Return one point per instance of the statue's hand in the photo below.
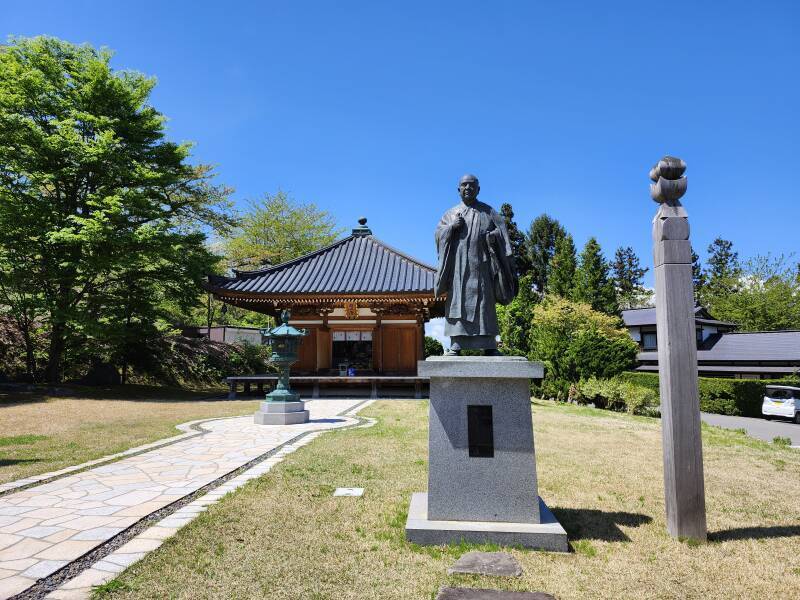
(458, 223)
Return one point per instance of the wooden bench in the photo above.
(315, 380)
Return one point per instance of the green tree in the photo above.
(433, 347)
(514, 319)
(86, 179)
(276, 229)
(158, 272)
(593, 285)
(21, 299)
(766, 296)
(562, 268)
(574, 342)
(698, 277)
(629, 279)
(722, 277)
(723, 261)
(541, 240)
(517, 238)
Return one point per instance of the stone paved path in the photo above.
(46, 527)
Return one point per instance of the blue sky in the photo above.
(377, 108)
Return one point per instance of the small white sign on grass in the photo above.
(349, 492)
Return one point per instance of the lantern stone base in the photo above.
(281, 413)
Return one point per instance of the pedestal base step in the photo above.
(547, 535)
(290, 418)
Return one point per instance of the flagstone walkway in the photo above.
(46, 527)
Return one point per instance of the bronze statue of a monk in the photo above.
(475, 270)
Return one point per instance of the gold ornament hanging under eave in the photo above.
(351, 310)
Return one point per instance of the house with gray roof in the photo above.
(721, 350)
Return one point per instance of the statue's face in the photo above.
(468, 190)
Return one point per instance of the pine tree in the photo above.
(593, 285)
(723, 262)
(541, 240)
(722, 274)
(562, 268)
(628, 279)
(518, 247)
(698, 277)
(514, 319)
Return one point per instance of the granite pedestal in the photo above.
(281, 413)
(482, 483)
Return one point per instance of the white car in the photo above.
(782, 401)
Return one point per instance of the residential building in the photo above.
(721, 351)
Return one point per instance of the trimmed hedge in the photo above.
(737, 397)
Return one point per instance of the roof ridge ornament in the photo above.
(362, 228)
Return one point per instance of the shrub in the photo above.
(620, 395)
(595, 354)
(648, 380)
(556, 389)
(574, 341)
(180, 360)
(737, 397)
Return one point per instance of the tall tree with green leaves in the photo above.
(518, 247)
(593, 284)
(562, 268)
(698, 277)
(766, 296)
(723, 261)
(541, 240)
(628, 277)
(514, 319)
(276, 229)
(86, 178)
(722, 275)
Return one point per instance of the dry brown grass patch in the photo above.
(41, 433)
(285, 536)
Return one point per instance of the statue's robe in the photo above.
(475, 270)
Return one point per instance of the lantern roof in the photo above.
(284, 329)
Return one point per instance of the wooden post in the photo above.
(684, 489)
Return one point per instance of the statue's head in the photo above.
(468, 188)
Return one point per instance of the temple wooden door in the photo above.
(307, 354)
(399, 352)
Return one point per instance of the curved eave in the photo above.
(257, 297)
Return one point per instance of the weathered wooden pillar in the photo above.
(684, 489)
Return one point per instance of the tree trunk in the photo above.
(55, 353)
(30, 357)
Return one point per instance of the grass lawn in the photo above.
(40, 433)
(284, 536)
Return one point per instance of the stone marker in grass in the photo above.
(497, 564)
(684, 490)
(451, 593)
